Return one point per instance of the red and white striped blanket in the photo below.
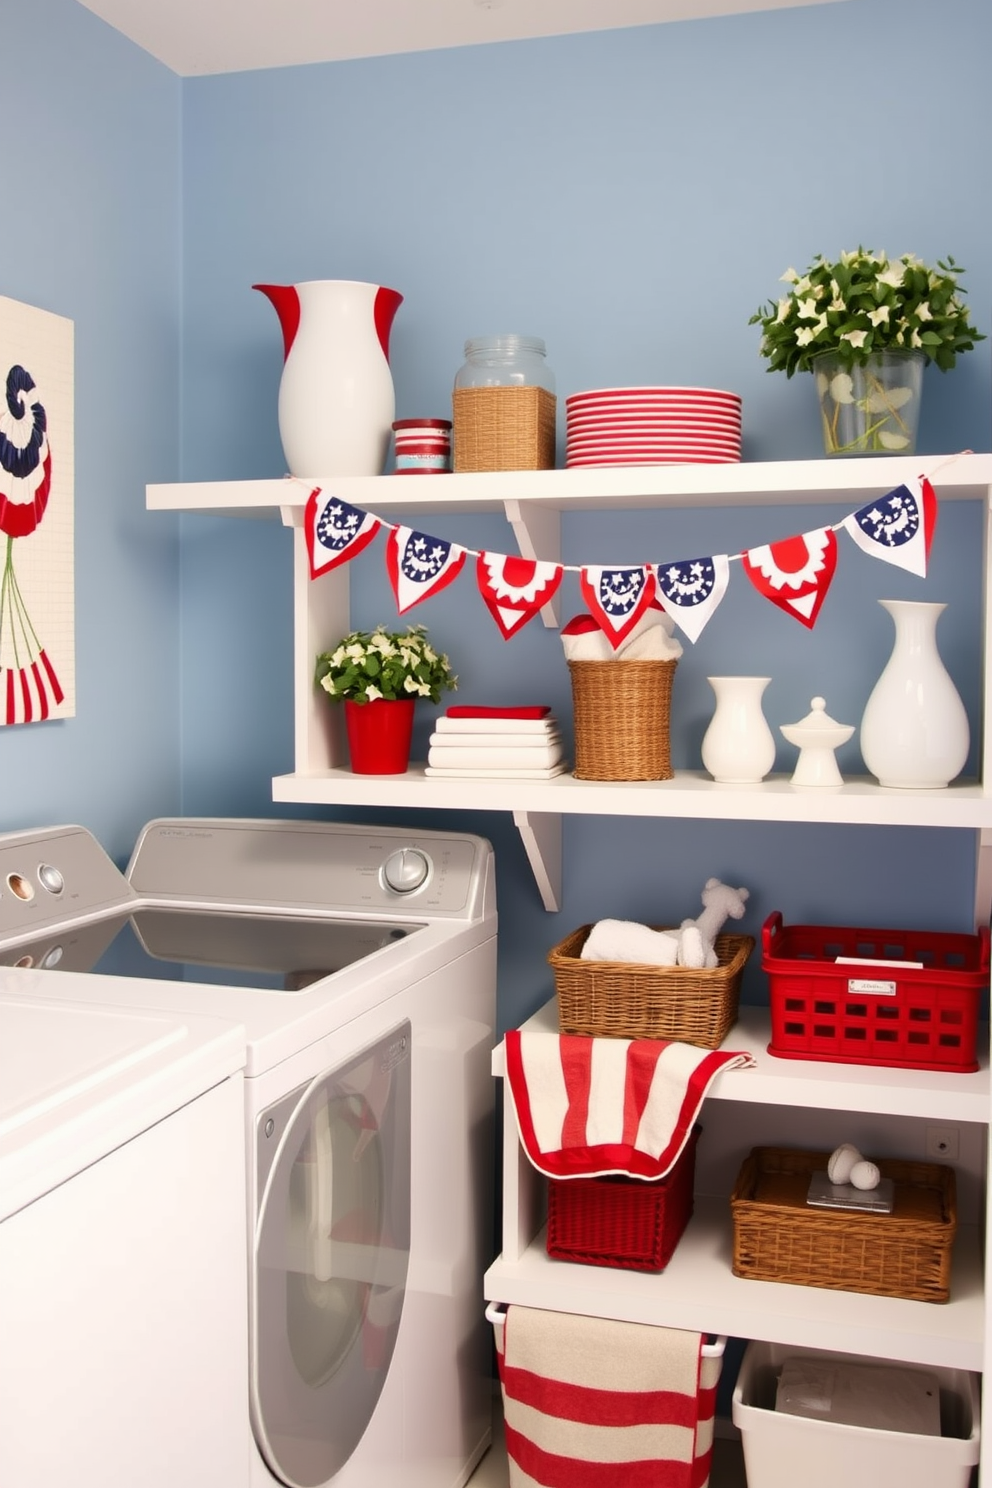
(596, 1403)
(588, 1106)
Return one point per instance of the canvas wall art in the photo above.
(37, 619)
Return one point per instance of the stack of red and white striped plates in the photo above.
(652, 426)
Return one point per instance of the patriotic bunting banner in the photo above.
(898, 529)
(691, 589)
(514, 589)
(419, 565)
(795, 574)
(335, 531)
(617, 597)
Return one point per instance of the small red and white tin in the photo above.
(422, 446)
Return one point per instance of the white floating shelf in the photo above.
(828, 1086)
(698, 1291)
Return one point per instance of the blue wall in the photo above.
(631, 196)
(91, 215)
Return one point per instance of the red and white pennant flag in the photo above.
(335, 531)
(691, 589)
(795, 574)
(514, 589)
(420, 565)
(617, 597)
(899, 527)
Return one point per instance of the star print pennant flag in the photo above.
(617, 597)
(795, 574)
(419, 565)
(335, 531)
(691, 589)
(514, 589)
(899, 527)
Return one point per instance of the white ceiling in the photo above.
(196, 37)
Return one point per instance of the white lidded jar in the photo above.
(914, 733)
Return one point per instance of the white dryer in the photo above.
(122, 1270)
(362, 965)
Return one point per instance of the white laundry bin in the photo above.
(782, 1449)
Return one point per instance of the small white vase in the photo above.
(914, 733)
(738, 747)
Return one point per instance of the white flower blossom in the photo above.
(923, 311)
(803, 286)
(856, 338)
(805, 335)
(356, 651)
(372, 692)
(879, 315)
(893, 277)
(806, 309)
(789, 277)
(784, 306)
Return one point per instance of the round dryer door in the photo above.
(332, 1244)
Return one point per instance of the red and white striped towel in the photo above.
(595, 1403)
(588, 1106)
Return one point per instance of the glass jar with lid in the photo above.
(504, 405)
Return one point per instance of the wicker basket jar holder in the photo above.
(779, 1237)
(613, 999)
(504, 428)
(622, 717)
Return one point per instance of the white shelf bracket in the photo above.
(983, 879)
(540, 832)
(538, 533)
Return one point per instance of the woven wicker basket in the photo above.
(614, 999)
(621, 712)
(504, 428)
(779, 1237)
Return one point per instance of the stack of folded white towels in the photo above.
(500, 743)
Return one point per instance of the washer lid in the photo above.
(78, 1081)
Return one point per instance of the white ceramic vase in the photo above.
(738, 747)
(336, 397)
(914, 733)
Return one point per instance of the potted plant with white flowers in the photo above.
(866, 326)
(379, 675)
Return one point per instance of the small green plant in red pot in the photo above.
(379, 675)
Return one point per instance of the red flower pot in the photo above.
(379, 735)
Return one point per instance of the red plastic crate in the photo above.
(619, 1221)
(875, 1012)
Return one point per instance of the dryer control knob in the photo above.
(406, 871)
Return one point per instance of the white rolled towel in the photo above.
(588, 645)
(626, 940)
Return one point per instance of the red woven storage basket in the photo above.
(620, 1221)
(875, 1011)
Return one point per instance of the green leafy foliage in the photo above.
(367, 665)
(861, 304)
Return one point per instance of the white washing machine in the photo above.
(362, 965)
(122, 1268)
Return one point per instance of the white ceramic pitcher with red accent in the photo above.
(336, 398)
